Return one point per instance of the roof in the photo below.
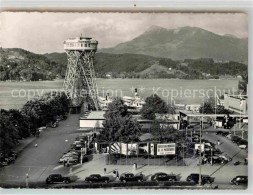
(146, 136)
(94, 115)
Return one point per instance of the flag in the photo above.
(218, 101)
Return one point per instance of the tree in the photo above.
(154, 104)
(163, 132)
(8, 134)
(242, 85)
(209, 108)
(118, 124)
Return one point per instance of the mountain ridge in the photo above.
(184, 43)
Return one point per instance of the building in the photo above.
(92, 120)
(193, 107)
(236, 103)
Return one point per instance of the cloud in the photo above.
(45, 32)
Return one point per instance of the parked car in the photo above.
(3, 163)
(219, 132)
(163, 177)
(225, 157)
(229, 136)
(243, 146)
(243, 141)
(70, 159)
(216, 160)
(73, 152)
(57, 178)
(130, 177)
(71, 155)
(240, 180)
(225, 134)
(96, 178)
(236, 139)
(205, 179)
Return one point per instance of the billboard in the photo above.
(165, 149)
(129, 149)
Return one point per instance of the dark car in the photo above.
(240, 180)
(96, 178)
(236, 139)
(242, 141)
(219, 132)
(225, 134)
(130, 177)
(216, 160)
(204, 178)
(57, 178)
(163, 177)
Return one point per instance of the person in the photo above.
(218, 142)
(117, 175)
(36, 145)
(104, 171)
(64, 162)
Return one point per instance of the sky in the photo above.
(45, 32)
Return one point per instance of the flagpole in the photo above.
(215, 106)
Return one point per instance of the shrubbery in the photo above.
(15, 124)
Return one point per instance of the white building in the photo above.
(93, 120)
(238, 104)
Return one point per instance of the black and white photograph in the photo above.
(124, 100)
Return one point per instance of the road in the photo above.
(40, 161)
(227, 146)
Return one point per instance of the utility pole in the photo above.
(200, 137)
(81, 160)
(200, 157)
(26, 180)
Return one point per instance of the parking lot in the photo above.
(41, 161)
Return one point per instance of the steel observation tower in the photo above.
(80, 80)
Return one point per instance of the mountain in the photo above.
(184, 43)
(19, 64)
(144, 66)
(104, 62)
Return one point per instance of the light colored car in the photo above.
(70, 155)
(243, 146)
(71, 159)
(225, 157)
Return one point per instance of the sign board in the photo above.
(218, 123)
(128, 149)
(197, 147)
(165, 149)
(152, 149)
(124, 148)
(132, 149)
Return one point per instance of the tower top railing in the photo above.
(81, 44)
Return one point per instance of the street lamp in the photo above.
(81, 160)
(26, 181)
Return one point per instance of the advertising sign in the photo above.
(165, 149)
(129, 149)
(132, 149)
(124, 148)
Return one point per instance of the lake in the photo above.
(16, 94)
